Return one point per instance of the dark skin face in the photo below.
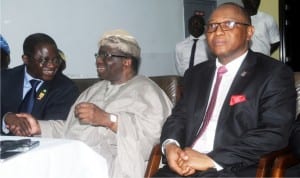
(228, 45)
(251, 6)
(196, 26)
(36, 65)
(114, 69)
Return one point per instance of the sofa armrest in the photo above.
(154, 161)
(283, 162)
(266, 162)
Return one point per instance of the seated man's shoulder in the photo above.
(183, 42)
(141, 80)
(143, 83)
(12, 71)
(268, 60)
(9, 76)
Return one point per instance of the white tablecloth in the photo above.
(54, 158)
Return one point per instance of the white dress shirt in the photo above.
(27, 85)
(266, 33)
(183, 52)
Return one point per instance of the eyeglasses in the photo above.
(44, 61)
(225, 26)
(108, 56)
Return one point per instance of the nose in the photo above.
(51, 64)
(99, 59)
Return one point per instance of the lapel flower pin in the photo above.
(235, 99)
(244, 73)
(42, 94)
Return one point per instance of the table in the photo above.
(55, 158)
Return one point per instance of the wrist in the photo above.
(113, 118)
(166, 142)
(5, 120)
(112, 121)
(4, 128)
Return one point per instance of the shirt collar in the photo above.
(235, 64)
(28, 77)
(201, 37)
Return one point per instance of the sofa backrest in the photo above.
(171, 84)
(84, 83)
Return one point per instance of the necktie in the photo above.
(193, 53)
(211, 106)
(28, 101)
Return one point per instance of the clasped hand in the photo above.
(22, 124)
(187, 161)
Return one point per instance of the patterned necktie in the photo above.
(211, 106)
(28, 101)
(192, 57)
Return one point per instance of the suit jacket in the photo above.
(53, 101)
(246, 130)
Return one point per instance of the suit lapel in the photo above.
(204, 81)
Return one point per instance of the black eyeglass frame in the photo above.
(229, 25)
(108, 56)
(43, 61)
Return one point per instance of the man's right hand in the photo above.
(17, 125)
(35, 128)
(22, 124)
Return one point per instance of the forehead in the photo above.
(45, 49)
(106, 48)
(196, 19)
(227, 12)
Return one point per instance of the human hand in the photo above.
(176, 159)
(18, 124)
(35, 128)
(196, 160)
(89, 113)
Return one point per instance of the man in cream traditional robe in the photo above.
(121, 116)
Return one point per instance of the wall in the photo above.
(223, 1)
(272, 9)
(77, 25)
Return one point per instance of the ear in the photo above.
(25, 59)
(250, 32)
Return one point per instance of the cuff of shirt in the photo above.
(4, 129)
(163, 146)
(217, 166)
